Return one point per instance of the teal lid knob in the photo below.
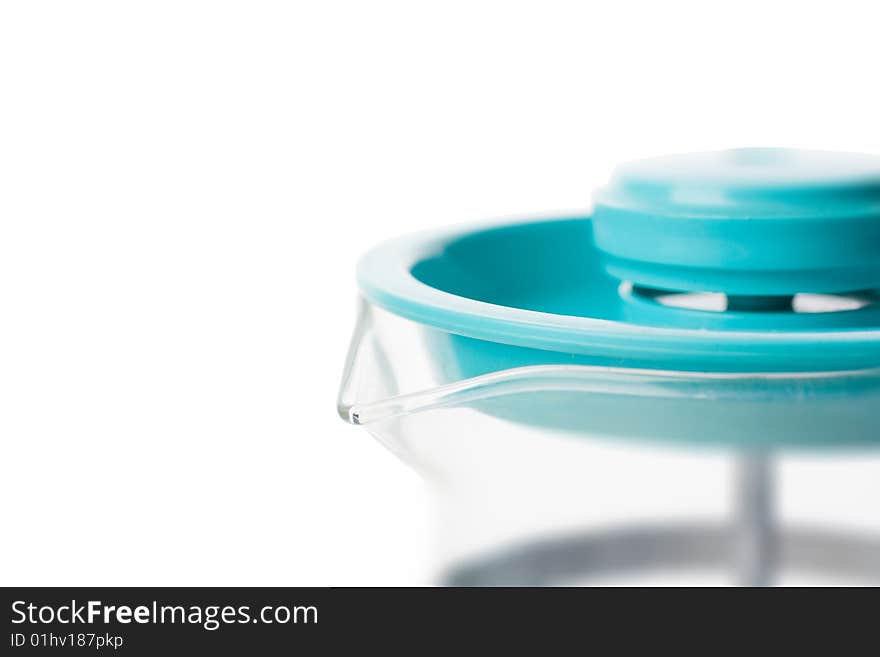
(757, 221)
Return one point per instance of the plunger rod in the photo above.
(754, 532)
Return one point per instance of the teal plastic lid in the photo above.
(788, 240)
(757, 221)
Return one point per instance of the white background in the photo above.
(185, 188)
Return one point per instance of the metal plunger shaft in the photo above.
(754, 531)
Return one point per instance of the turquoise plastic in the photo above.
(744, 222)
(538, 292)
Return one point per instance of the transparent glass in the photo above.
(561, 474)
